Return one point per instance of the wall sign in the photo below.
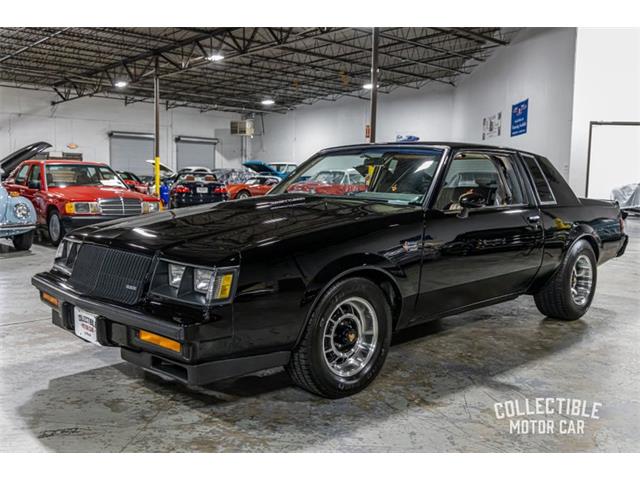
(519, 116)
(492, 126)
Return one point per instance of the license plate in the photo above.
(202, 190)
(85, 325)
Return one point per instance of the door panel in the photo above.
(474, 255)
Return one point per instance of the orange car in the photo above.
(254, 187)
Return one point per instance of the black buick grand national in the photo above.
(318, 283)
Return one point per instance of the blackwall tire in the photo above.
(24, 241)
(332, 359)
(55, 228)
(568, 294)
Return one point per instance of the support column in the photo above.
(156, 135)
(374, 84)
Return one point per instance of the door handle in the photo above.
(533, 219)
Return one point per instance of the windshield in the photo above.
(64, 175)
(392, 175)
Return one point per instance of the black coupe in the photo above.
(195, 188)
(318, 283)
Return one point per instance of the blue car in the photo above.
(17, 219)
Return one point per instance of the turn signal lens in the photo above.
(222, 287)
(158, 340)
(50, 299)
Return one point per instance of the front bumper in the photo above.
(13, 229)
(118, 326)
(71, 222)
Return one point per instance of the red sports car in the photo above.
(254, 187)
(132, 181)
(68, 194)
(332, 182)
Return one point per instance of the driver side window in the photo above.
(484, 179)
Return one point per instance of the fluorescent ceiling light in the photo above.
(268, 101)
(120, 84)
(215, 57)
(368, 86)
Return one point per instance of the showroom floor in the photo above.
(436, 393)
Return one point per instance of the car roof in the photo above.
(68, 162)
(424, 145)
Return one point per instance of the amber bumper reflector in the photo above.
(163, 342)
(51, 300)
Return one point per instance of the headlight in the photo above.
(192, 284)
(21, 210)
(203, 280)
(82, 208)
(176, 272)
(150, 207)
(66, 255)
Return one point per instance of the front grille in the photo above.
(121, 207)
(110, 274)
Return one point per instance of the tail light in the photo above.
(181, 189)
(220, 190)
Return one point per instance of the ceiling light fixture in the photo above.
(215, 57)
(268, 101)
(120, 84)
(369, 86)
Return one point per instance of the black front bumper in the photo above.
(118, 326)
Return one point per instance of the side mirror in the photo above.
(469, 201)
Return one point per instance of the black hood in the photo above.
(213, 232)
(12, 160)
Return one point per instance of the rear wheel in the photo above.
(568, 294)
(24, 241)
(346, 341)
(243, 194)
(55, 227)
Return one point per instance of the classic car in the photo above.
(68, 194)
(195, 188)
(332, 182)
(253, 187)
(17, 219)
(280, 170)
(134, 182)
(318, 283)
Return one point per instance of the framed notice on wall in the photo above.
(492, 126)
(519, 118)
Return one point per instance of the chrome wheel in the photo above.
(581, 280)
(350, 337)
(54, 228)
(243, 195)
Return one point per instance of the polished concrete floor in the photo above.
(436, 392)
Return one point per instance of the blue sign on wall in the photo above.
(519, 115)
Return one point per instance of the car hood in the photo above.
(262, 168)
(93, 192)
(11, 161)
(209, 233)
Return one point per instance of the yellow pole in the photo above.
(157, 172)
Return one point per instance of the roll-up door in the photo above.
(196, 152)
(129, 152)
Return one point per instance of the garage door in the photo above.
(128, 152)
(196, 152)
(614, 157)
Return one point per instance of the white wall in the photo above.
(296, 136)
(27, 116)
(538, 65)
(607, 88)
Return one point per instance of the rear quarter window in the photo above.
(549, 184)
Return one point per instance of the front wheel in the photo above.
(23, 241)
(568, 294)
(55, 228)
(345, 342)
(243, 194)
